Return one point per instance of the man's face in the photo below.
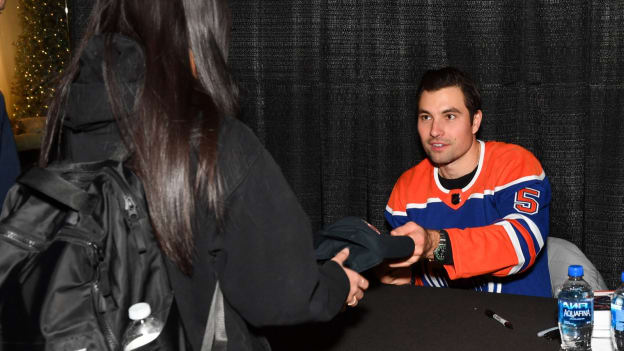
(446, 132)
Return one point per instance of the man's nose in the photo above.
(436, 129)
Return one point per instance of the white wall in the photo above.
(10, 28)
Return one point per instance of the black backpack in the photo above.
(76, 250)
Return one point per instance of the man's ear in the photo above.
(476, 121)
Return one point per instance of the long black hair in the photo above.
(162, 131)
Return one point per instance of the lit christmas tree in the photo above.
(42, 52)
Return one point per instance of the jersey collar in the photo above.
(474, 179)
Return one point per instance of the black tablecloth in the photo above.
(416, 318)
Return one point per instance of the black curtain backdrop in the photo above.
(329, 87)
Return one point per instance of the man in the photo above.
(477, 211)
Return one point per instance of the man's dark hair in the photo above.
(434, 80)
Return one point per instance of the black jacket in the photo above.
(266, 264)
(265, 258)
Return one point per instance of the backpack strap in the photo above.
(215, 336)
(53, 185)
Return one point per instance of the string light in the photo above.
(41, 52)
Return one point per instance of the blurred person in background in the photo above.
(9, 162)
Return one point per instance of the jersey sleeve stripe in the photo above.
(513, 237)
(536, 233)
(527, 243)
(395, 220)
(537, 244)
(395, 213)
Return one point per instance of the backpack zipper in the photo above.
(130, 207)
(108, 333)
(106, 329)
(22, 241)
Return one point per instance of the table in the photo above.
(417, 318)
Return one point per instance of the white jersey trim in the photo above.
(436, 171)
(431, 276)
(502, 187)
(532, 226)
(511, 233)
(395, 213)
(494, 287)
(476, 176)
(520, 180)
(423, 205)
(425, 275)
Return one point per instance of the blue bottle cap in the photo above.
(622, 277)
(575, 271)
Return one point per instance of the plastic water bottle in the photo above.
(617, 317)
(143, 331)
(576, 311)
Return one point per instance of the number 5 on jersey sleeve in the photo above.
(526, 201)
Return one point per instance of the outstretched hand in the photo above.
(357, 283)
(425, 241)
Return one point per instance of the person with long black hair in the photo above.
(150, 84)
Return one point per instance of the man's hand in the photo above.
(425, 241)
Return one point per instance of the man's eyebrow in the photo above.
(420, 110)
(452, 109)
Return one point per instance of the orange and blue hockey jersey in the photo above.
(497, 230)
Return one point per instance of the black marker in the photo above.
(498, 318)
